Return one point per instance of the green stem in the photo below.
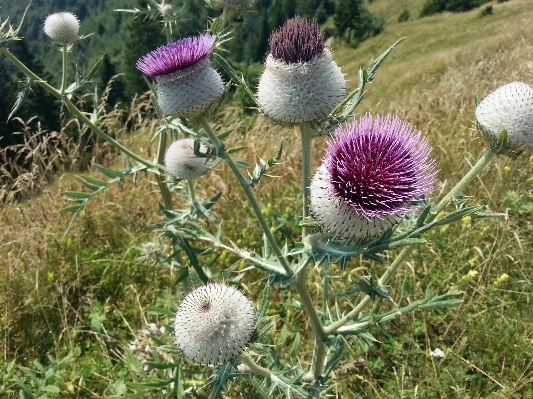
(319, 352)
(306, 171)
(76, 111)
(64, 51)
(222, 153)
(255, 368)
(333, 327)
(485, 159)
(163, 188)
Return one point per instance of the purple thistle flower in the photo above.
(176, 56)
(371, 175)
(185, 81)
(299, 40)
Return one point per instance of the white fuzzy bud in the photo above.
(62, 27)
(214, 323)
(509, 108)
(182, 163)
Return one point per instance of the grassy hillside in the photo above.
(89, 294)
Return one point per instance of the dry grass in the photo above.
(428, 80)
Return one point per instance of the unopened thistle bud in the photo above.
(371, 175)
(509, 108)
(186, 83)
(62, 27)
(183, 163)
(214, 323)
(301, 81)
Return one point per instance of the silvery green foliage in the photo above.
(62, 27)
(509, 108)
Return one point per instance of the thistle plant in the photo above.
(371, 197)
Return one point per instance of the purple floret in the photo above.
(299, 40)
(379, 168)
(175, 56)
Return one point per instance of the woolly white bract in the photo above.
(181, 162)
(214, 323)
(62, 27)
(510, 108)
(301, 92)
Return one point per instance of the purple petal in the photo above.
(175, 56)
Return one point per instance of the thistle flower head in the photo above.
(62, 27)
(214, 323)
(301, 81)
(372, 172)
(185, 81)
(182, 163)
(299, 40)
(176, 56)
(509, 108)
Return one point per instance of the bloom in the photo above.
(372, 172)
(510, 108)
(181, 162)
(186, 83)
(301, 81)
(214, 323)
(62, 27)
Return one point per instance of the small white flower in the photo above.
(509, 108)
(181, 161)
(62, 27)
(214, 323)
(438, 353)
(153, 328)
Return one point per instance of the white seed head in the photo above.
(182, 163)
(214, 323)
(189, 92)
(62, 27)
(340, 218)
(303, 91)
(509, 108)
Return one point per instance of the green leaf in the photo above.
(109, 173)
(295, 345)
(149, 385)
(77, 194)
(51, 389)
(234, 150)
(95, 68)
(73, 207)
(94, 181)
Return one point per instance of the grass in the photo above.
(89, 294)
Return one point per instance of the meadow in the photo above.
(73, 305)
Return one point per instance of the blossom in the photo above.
(186, 83)
(509, 108)
(182, 163)
(62, 27)
(214, 323)
(372, 173)
(301, 81)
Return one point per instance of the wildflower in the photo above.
(509, 108)
(438, 353)
(62, 27)
(371, 175)
(301, 81)
(214, 323)
(181, 161)
(185, 81)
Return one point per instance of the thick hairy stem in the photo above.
(163, 188)
(222, 153)
(64, 51)
(319, 352)
(306, 171)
